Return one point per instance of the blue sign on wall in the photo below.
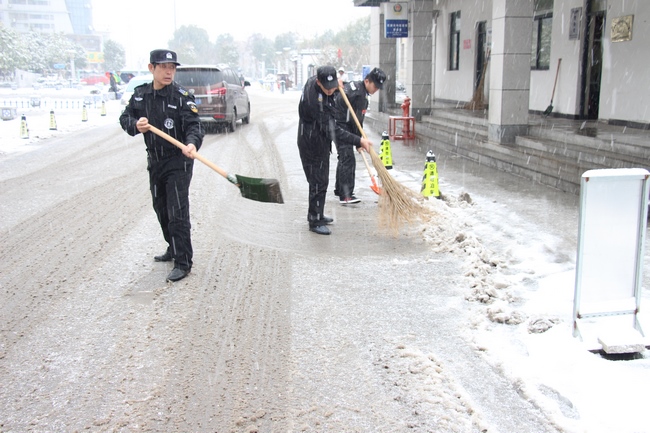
(397, 28)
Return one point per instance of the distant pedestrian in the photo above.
(342, 75)
(348, 134)
(170, 108)
(112, 83)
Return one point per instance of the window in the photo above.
(542, 24)
(454, 41)
(200, 77)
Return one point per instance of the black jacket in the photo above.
(347, 131)
(172, 110)
(316, 124)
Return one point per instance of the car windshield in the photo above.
(199, 77)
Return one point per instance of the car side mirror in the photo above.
(246, 83)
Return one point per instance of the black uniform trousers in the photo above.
(169, 180)
(314, 150)
(345, 170)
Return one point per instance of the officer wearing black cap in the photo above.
(315, 134)
(170, 108)
(348, 134)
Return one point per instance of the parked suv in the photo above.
(220, 94)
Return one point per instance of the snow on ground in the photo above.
(521, 296)
(67, 106)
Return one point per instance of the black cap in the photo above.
(377, 76)
(327, 77)
(163, 56)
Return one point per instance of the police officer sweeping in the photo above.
(348, 134)
(316, 131)
(170, 108)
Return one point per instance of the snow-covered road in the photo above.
(276, 328)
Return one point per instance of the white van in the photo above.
(133, 83)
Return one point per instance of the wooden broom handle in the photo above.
(180, 145)
(354, 115)
(557, 72)
(356, 120)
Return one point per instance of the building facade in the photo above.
(585, 58)
(41, 16)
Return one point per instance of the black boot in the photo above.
(167, 257)
(177, 274)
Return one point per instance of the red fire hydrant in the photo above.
(406, 105)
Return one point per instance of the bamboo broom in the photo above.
(477, 102)
(397, 203)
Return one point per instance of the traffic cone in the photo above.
(103, 108)
(24, 131)
(84, 114)
(52, 121)
(384, 151)
(430, 178)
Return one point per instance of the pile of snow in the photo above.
(521, 296)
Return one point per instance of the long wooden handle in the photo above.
(354, 115)
(180, 145)
(556, 74)
(363, 134)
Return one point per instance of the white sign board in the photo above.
(611, 239)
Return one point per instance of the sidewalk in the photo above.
(39, 124)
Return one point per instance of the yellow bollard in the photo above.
(384, 151)
(103, 108)
(24, 131)
(52, 121)
(84, 114)
(430, 177)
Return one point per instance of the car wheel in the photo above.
(246, 120)
(233, 123)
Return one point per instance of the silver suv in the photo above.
(219, 92)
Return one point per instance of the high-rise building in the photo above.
(42, 16)
(81, 16)
(73, 18)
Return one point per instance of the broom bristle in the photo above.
(397, 203)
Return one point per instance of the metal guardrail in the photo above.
(50, 104)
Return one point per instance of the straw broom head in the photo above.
(397, 203)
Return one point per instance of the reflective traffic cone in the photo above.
(84, 114)
(103, 108)
(430, 177)
(384, 151)
(24, 131)
(52, 121)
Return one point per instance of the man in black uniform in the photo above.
(170, 108)
(316, 130)
(347, 132)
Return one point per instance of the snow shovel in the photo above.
(264, 190)
(374, 185)
(550, 107)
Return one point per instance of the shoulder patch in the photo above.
(193, 107)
